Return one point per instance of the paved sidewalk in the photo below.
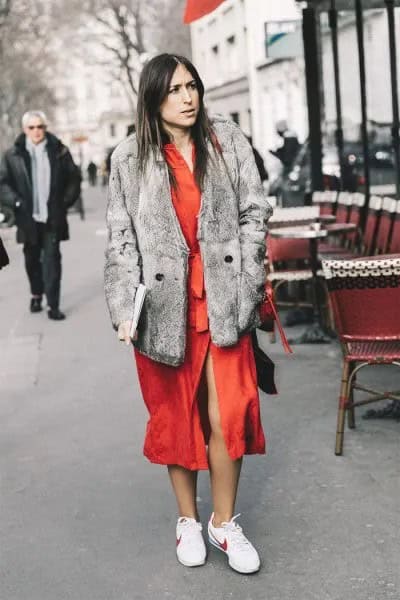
(83, 515)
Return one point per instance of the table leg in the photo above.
(314, 334)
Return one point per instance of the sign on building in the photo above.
(283, 39)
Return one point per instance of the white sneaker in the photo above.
(229, 538)
(190, 547)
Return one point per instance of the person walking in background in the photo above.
(103, 173)
(92, 173)
(79, 204)
(187, 217)
(290, 145)
(40, 181)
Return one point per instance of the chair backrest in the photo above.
(374, 208)
(280, 249)
(342, 211)
(394, 247)
(357, 199)
(295, 215)
(357, 202)
(365, 296)
(326, 201)
(385, 225)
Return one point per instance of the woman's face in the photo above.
(181, 105)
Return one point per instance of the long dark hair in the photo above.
(153, 88)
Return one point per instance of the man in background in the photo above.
(40, 181)
(92, 173)
(4, 260)
(290, 145)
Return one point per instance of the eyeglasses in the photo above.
(31, 127)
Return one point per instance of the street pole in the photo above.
(395, 96)
(313, 87)
(363, 94)
(333, 15)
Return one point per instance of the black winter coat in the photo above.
(4, 260)
(16, 187)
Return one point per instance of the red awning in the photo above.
(195, 9)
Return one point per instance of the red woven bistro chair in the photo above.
(343, 207)
(287, 262)
(326, 201)
(374, 210)
(357, 203)
(365, 298)
(385, 225)
(394, 247)
(345, 246)
(284, 258)
(288, 259)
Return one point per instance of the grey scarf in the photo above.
(40, 179)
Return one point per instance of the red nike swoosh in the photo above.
(178, 540)
(224, 545)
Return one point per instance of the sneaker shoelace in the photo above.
(236, 535)
(187, 525)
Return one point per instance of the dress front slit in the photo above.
(177, 431)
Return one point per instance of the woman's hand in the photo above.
(123, 332)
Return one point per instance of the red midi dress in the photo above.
(178, 429)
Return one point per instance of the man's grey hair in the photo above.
(30, 114)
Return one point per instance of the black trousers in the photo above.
(43, 265)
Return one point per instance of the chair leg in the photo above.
(351, 419)
(342, 409)
(327, 311)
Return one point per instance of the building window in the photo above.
(112, 129)
(231, 53)
(214, 64)
(235, 117)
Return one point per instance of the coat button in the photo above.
(228, 258)
(159, 276)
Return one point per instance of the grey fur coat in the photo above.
(146, 244)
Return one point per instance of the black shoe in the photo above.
(36, 305)
(56, 314)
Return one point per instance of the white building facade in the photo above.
(377, 59)
(241, 81)
(277, 78)
(219, 50)
(246, 78)
(92, 114)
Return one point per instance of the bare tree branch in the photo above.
(129, 30)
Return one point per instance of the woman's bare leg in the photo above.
(184, 484)
(224, 471)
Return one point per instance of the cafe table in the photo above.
(313, 233)
(317, 333)
(339, 228)
(325, 219)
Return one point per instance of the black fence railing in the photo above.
(312, 55)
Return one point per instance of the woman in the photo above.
(187, 217)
